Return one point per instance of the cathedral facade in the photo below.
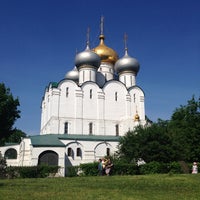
(84, 114)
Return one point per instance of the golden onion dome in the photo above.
(137, 117)
(106, 54)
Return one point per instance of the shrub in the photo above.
(31, 172)
(72, 171)
(125, 169)
(3, 166)
(89, 169)
(175, 168)
(153, 168)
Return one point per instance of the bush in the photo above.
(89, 169)
(31, 172)
(153, 168)
(3, 166)
(72, 171)
(175, 168)
(125, 169)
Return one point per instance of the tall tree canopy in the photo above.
(9, 112)
(166, 141)
(185, 130)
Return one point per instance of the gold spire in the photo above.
(102, 23)
(106, 54)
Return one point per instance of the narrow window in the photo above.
(67, 92)
(66, 128)
(115, 96)
(108, 151)
(90, 75)
(134, 98)
(78, 152)
(131, 80)
(83, 76)
(90, 93)
(69, 152)
(117, 129)
(90, 128)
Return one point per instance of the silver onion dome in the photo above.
(87, 57)
(127, 63)
(72, 75)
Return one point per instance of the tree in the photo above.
(150, 143)
(185, 130)
(175, 140)
(9, 112)
(16, 136)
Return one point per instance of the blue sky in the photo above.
(39, 40)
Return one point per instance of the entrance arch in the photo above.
(48, 158)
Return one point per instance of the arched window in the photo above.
(78, 152)
(90, 93)
(67, 92)
(83, 76)
(108, 151)
(66, 128)
(117, 129)
(48, 158)
(131, 80)
(70, 152)
(90, 128)
(134, 98)
(11, 154)
(115, 96)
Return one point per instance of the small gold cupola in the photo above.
(136, 117)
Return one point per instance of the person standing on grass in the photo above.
(194, 168)
(109, 167)
(100, 168)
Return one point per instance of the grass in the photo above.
(156, 187)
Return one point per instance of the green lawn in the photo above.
(156, 187)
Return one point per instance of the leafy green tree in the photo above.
(185, 130)
(151, 144)
(164, 141)
(16, 136)
(9, 112)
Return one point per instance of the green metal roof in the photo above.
(53, 140)
(46, 141)
(88, 137)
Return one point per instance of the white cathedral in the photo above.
(83, 115)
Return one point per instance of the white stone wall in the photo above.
(103, 107)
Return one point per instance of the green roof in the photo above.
(46, 141)
(53, 140)
(88, 137)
